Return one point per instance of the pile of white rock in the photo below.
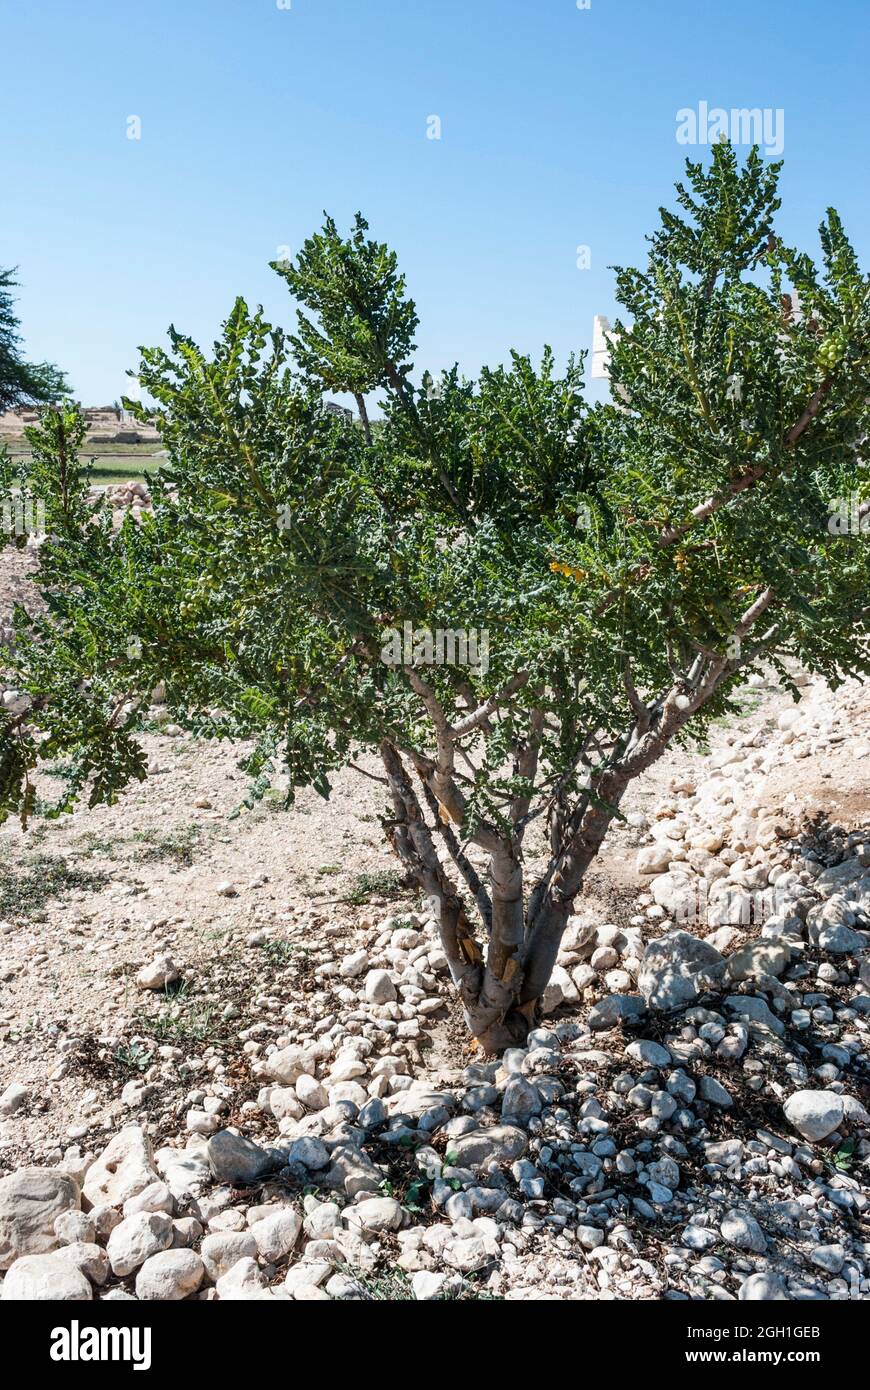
(726, 860)
(707, 1147)
(723, 851)
(131, 496)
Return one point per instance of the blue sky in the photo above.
(558, 131)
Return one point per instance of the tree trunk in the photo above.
(364, 416)
(500, 1023)
(501, 992)
(411, 839)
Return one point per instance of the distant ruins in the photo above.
(107, 424)
(111, 424)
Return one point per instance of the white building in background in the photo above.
(603, 341)
(601, 345)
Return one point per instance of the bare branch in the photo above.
(460, 859)
(483, 712)
(371, 775)
(528, 766)
(637, 704)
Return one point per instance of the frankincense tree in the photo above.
(514, 600)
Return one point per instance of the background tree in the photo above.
(50, 481)
(631, 565)
(22, 383)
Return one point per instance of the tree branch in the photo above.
(483, 712)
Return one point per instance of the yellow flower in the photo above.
(570, 571)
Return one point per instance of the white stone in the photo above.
(72, 1227)
(347, 1067)
(675, 969)
(13, 1098)
(375, 1214)
(677, 893)
(310, 1093)
(223, 1249)
(814, 1114)
(276, 1235)
(198, 1122)
(31, 1200)
(654, 859)
(287, 1065)
(379, 988)
(46, 1278)
(763, 1288)
(155, 1197)
(743, 1231)
(244, 1280)
(123, 1169)
(136, 1238)
(170, 1275)
(427, 1285)
(354, 965)
(158, 973)
(648, 1053)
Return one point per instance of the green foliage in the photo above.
(183, 1018)
(22, 383)
(844, 1157)
(50, 480)
(27, 887)
(387, 1285)
(719, 373)
(360, 335)
(630, 562)
(281, 954)
(177, 846)
(132, 1057)
(383, 883)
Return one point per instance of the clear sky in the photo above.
(558, 130)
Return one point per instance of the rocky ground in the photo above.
(231, 1065)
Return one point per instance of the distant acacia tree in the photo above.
(515, 600)
(22, 383)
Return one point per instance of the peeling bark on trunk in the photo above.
(412, 841)
(501, 989)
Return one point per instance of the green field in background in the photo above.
(112, 463)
